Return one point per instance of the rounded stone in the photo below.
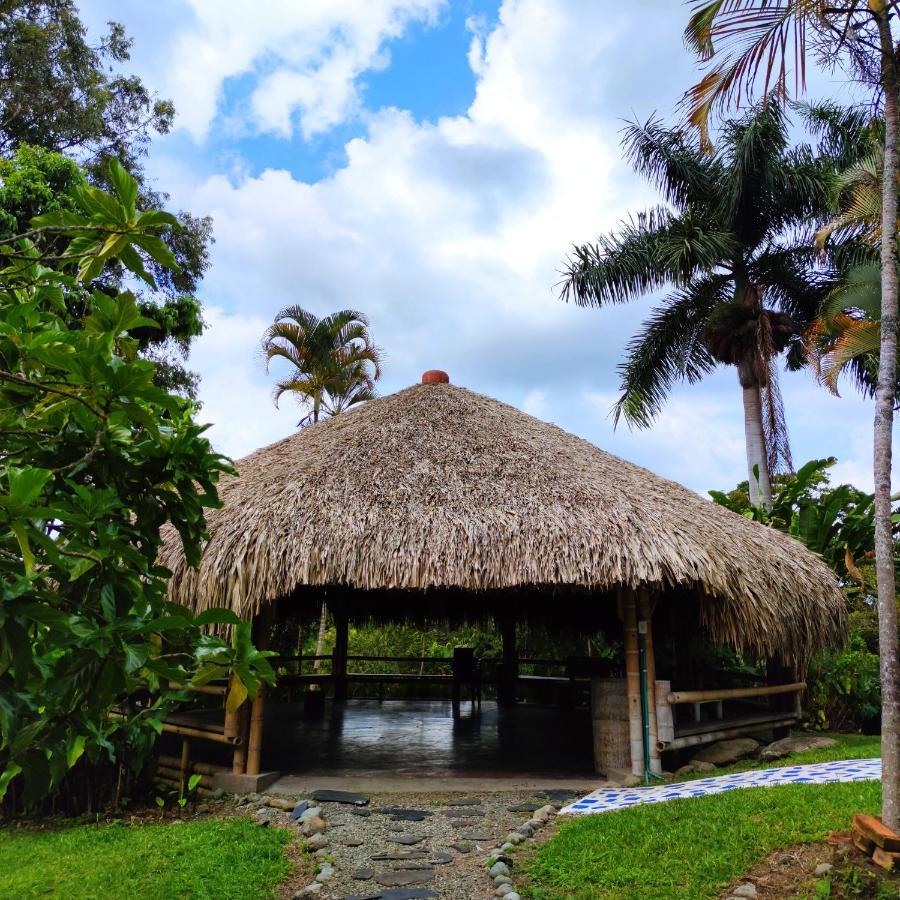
(503, 890)
(314, 812)
(744, 890)
(313, 826)
(499, 868)
(507, 846)
(513, 838)
(502, 879)
(513, 896)
(823, 868)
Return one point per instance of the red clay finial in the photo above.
(435, 376)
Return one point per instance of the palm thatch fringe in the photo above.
(439, 487)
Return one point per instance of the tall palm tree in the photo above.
(739, 40)
(744, 279)
(335, 366)
(335, 362)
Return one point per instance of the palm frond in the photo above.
(652, 250)
(668, 349)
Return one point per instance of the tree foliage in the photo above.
(94, 459)
(335, 362)
(58, 92)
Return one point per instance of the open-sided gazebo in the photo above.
(438, 502)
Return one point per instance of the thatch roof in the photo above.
(439, 487)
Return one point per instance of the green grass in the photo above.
(694, 848)
(228, 858)
(690, 848)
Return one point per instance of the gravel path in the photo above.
(398, 844)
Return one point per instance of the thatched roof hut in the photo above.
(437, 488)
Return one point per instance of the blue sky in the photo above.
(430, 162)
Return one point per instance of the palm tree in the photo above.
(744, 280)
(738, 40)
(335, 366)
(335, 363)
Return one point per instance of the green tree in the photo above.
(95, 459)
(737, 42)
(335, 362)
(335, 366)
(744, 279)
(61, 93)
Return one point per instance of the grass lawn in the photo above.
(696, 847)
(227, 858)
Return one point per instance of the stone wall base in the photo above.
(244, 784)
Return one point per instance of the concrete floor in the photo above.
(416, 745)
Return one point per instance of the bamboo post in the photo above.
(339, 654)
(645, 612)
(633, 680)
(239, 759)
(262, 627)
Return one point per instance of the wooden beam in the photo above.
(506, 686)
(262, 628)
(239, 759)
(735, 693)
(339, 656)
(633, 680)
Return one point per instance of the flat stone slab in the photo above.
(398, 814)
(407, 839)
(477, 836)
(413, 867)
(441, 858)
(463, 813)
(559, 794)
(353, 842)
(464, 823)
(462, 847)
(396, 894)
(464, 801)
(299, 809)
(363, 874)
(405, 877)
(327, 796)
(527, 807)
(365, 813)
(400, 854)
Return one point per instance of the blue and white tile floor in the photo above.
(608, 799)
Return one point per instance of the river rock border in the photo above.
(499, 864)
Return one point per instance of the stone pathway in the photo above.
(395, 847)
(609, 799)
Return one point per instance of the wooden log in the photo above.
(610, 725)
(734, 694)
(633, 681)
(185, 761)
(887, 859)
(216, 736)
(339, 657)
(863, 843)
(203, 768)
(876, 831)
(239, 759)
(263, 627)
(217, 690)
(175, 775)
(708, 737)
(232, 719)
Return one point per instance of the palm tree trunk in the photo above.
(884, 419)
(755, 439)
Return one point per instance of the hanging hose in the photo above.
(649, 775)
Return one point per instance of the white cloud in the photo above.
(450, 234)
(304, 57)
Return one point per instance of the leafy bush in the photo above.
(94, 460)
(844, 689)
